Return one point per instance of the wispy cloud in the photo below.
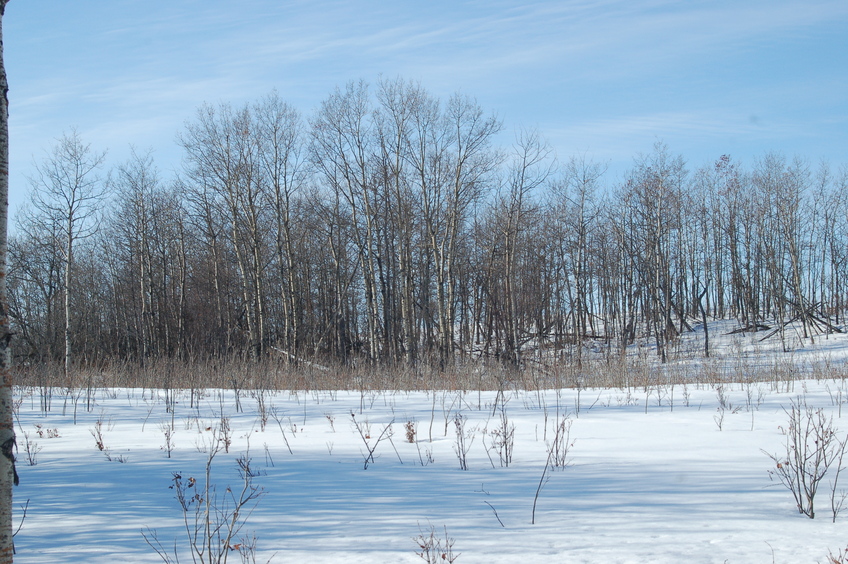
(606, 73)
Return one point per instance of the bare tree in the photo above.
(34, 286)
(222, 156)
(66, 192)
(653, 196)
(400, 103)
(342, 150)
(208, 223)
(146, 238)
(513, 228)
(375, 230)
(453, 160)
(282, 162)
(781, 188)
(576, 217)
(136, 183)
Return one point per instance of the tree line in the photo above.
(390, 227)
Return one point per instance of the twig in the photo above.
(23, 518)
(539, 488)
(394, 447)
(368, 447)
(283, 431)
(496, 513)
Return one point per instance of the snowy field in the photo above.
(664, 474)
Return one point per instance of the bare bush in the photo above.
(364, 430)
(100, 443)
(503, 438)
(464, 439)
(225, 433)
(97, 433)
(559, 448)
(48, 432)
(168, 431)
(811, 448)
(841, 557)
(838, 496)
(31, 448)
(557, 457)
(212, 522)
(433, 549)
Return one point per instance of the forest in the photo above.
(392, 228)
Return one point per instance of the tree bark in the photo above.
(8, 476)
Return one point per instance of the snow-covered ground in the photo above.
(655, 475)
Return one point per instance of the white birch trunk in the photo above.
(8, 476)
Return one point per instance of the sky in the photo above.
(600, 79)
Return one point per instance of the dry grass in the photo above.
(274, 374)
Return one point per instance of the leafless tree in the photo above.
(67, 192)
(401, 103)
(147, 233)
(390, 228)
(222, 155)
(282, 161)
(653, 196)
(576, 218)
(343, 152)
(512, 231)
(35, 284)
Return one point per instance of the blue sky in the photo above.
(601, 78)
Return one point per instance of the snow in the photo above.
(655, 475)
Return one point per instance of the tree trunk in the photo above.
(8, 476)
(69, 249)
